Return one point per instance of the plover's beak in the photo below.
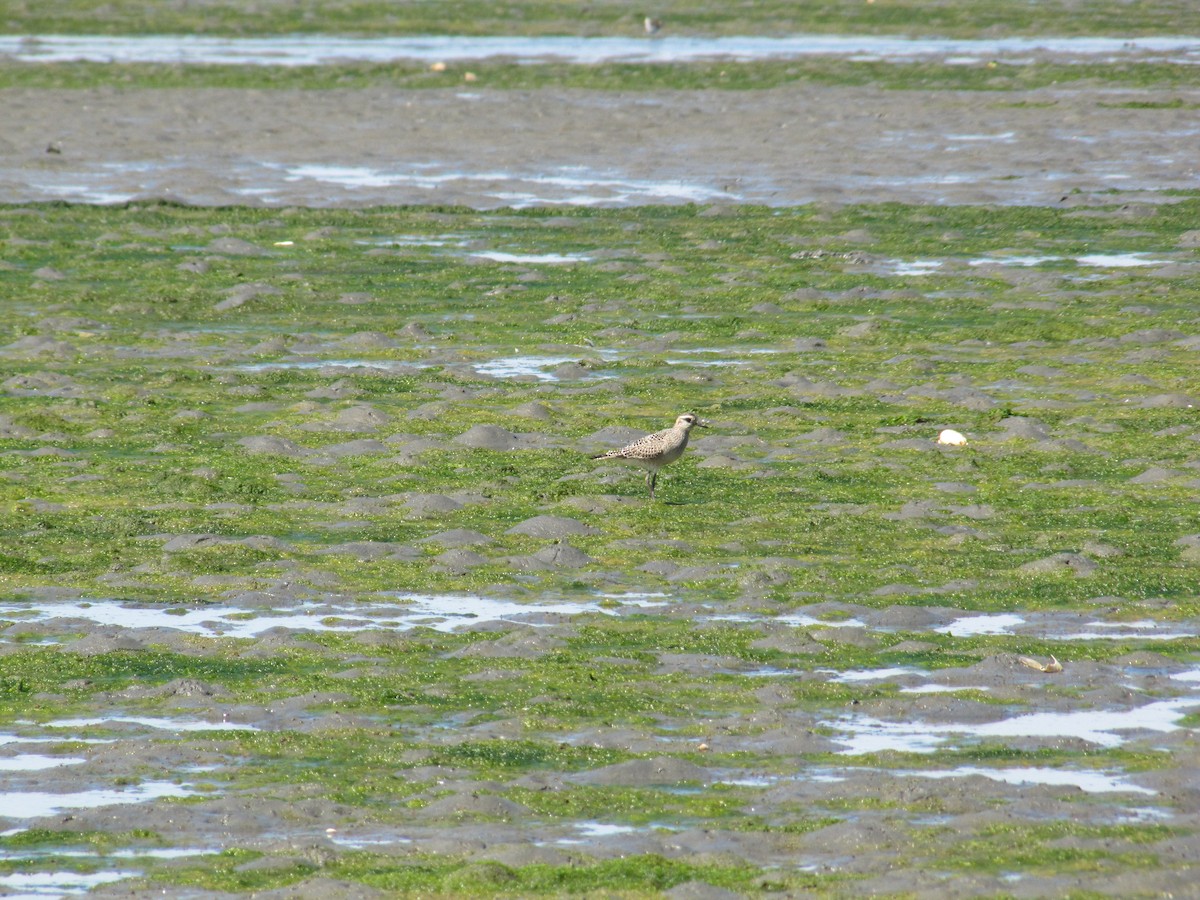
(701, 423)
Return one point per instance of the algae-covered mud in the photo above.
(311, 588)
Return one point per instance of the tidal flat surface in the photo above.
(310, 584)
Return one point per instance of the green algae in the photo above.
(807, 517)
(635, 876)
(535, 17)
(989, 77)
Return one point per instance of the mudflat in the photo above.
(476, 147)
(309, 585)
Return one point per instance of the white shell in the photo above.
(952, 438)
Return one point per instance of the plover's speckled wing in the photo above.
(651, 446)
(657, 450)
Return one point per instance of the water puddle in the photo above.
(383, 365)
(726, 351)
(570, 185)
(914, 267)
(1011, 624)
(35, 804)
(130, 853)
(165, 724)
(1023, 261)
(366, 843)
(1006, 137)
(516, 366)
(1093, 782)
(1100, 260)
(970, 626)
(853, 676)
(413, 240)
(941, 689)
(1119, 260)
(796, 620)
(1123, 631)
(547, 259)
(272, 183)
(501, 367)
(443, 612)
(57, 884)
(36, 762)
(315, 50)
(865, 734)
(1090, 781)
(599, 830)
(603, 829)
(21, 739)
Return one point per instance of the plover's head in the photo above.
(687, 420)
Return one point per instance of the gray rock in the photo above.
(1169, 401)
(360, 418)
(361, 447)
(415, 331)
(700, 890)
(533, 411)
(646, 772)
(1155, 475)
(368, 340)
(185, 542)
(557, 556)
(1023, 427)
(614, 436)
(824, 436)
(270, 444)
(551, 527)
(1152, 336)
(244, 293)
(488, 437)
(474, 805)
(231, 246)
(457, 537)
(43, 384)
(422, 505)
(365, 550)
(458, 561)
(1080, 566)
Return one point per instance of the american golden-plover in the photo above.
(659, 449)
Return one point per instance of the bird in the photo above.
(659, 449)
(652, 25)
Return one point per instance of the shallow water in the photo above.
(442, 612)
(968, 626)
(268, 182)
(35, 804)
(546, 259)
(1099, 260)
(1093, 782)
(570, 185)
(1009, 623)
(516, 366)
(57, 884)
(866, 734)
(35, 762)
(312, 50)
(383, 365)
(1123, 631)
(855, 675)
(165, 724)
(913, 267)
